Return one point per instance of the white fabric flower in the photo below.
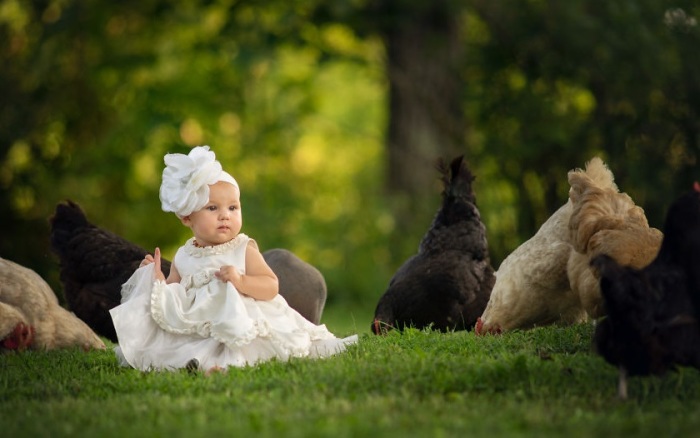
(186, 180)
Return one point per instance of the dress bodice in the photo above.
(192, 261)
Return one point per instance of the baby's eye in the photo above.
(233, 208)
(211, 208)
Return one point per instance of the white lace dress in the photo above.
(163, 326)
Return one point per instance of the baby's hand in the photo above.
(151, 259)
(230, 274)
(146, 261)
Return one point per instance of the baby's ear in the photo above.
(185, 220)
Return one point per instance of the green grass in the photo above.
(543, 382)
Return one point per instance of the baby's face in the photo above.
(220, 220)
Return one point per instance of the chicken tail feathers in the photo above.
(457, 179)
(598, 205)
(597, 174)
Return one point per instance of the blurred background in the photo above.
(332, 115)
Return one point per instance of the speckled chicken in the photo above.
(447, 284)
(30, 316)
(651, 325)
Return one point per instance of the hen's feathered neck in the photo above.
(457, 225)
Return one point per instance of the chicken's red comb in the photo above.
(696, 186)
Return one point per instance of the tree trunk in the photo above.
(426, 118)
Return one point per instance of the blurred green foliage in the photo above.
(292, 96)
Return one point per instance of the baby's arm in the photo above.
(259, 281)
(174, 275)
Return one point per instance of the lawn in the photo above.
(542, 382)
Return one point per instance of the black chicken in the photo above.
(447, 284)
(95, 263)
(651, 325)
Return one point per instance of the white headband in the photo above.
(186, 180)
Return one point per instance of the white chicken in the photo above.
(532, 287)
(30, 316)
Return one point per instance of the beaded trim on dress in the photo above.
(202, 251)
